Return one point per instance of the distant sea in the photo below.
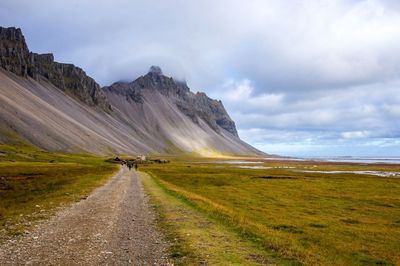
(357, 159)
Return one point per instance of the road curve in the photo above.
(113, 226)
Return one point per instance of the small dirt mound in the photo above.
(273, 177)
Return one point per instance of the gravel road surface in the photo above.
(115, 225)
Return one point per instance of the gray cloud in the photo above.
(312, 75)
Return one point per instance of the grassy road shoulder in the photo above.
(34, 183)
(196, 238)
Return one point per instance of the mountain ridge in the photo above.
(57, 106)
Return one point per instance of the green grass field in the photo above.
(33, 183)
(302, 218)
(222, 214)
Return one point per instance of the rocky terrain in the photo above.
(57, 106)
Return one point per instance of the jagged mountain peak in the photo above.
(198, 107)
(155, 70)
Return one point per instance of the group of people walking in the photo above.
(131, 164)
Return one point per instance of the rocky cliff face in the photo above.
(195, 106)
(14, 53)
(15, 57)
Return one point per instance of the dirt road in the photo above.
(113, 226)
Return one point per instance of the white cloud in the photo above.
(237, 91)
(242, 92)
(355, 134)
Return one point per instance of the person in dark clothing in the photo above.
(136, 167)
(129, 165)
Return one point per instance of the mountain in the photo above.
(57, 106)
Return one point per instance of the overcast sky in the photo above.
(298, 77)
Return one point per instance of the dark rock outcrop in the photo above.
(15, 57)
(155, 70)
(212, 112)
(131, 92)
(14, 53)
